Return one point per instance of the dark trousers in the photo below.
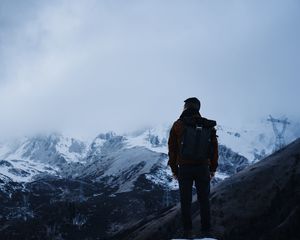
(187, 174)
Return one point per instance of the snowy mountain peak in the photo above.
(29, 156)
(154, 138)
(106, 136)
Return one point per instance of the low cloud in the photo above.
(90, 66)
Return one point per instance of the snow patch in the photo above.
(24, 170)
(154, 139)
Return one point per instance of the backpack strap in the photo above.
(208, 123)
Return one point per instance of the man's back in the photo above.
(190, 117)
(191, 167)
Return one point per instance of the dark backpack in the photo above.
(196, 141)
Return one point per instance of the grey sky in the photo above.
(88, 66)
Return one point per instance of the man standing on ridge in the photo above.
(193, 156)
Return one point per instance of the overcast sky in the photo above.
(84, 67)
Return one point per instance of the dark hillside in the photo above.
(260, 202)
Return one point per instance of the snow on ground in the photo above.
(250, 142)
(221, 175)
(154, 138)
(99, 142)
(161, 176)
(71, 149)
(24, 171)
(255, 140)
(133, 163)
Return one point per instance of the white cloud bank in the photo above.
(89, 66)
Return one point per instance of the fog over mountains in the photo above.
(28, 157)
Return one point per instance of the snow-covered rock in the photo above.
(53, 148)
(122, 158)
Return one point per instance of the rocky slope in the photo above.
(260, 202)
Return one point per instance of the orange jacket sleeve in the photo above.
(173, 150)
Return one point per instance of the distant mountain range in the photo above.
(67, 186)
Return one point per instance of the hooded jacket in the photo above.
(190, 117)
